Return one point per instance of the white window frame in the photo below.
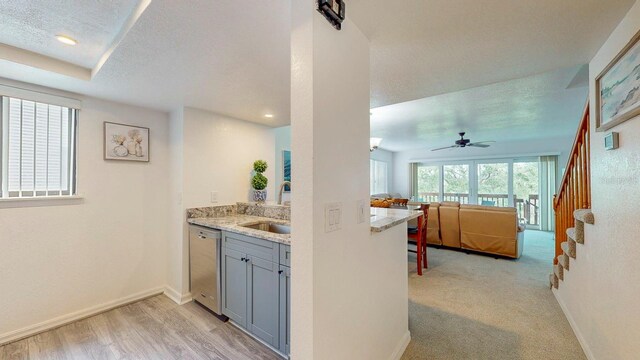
(37, 198)
(473, 174)
(372, 179)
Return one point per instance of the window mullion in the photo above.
(46, 186)
(69, 149)
(2, 143)
(35, 141)
(61, 170)
(20, 151)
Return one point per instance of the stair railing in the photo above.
(575, 188)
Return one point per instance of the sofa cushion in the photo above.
(489, 208)
(450, 203)
(491, 230)
(450, 224)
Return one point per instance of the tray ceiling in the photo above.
(33, 25)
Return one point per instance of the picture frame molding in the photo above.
(598, 113)
(104, 142)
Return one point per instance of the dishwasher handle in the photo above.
(206, 235)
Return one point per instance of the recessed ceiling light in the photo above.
(268, 116)
(66, 40)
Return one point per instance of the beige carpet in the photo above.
(479, 307)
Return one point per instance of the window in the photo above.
(378, 177)
(456, 183)
(524, 183)
(38, 149)
(493, 184)
(428, 183)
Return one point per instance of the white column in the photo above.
(337, 296)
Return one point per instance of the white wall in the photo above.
(343, 307)
(600, 292)
(58, 260)
(552, 146)
(211, 152)
(386, 156)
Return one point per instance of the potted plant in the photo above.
(259, 181)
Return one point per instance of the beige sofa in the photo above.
(487, 229)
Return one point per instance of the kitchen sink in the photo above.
(269, 226)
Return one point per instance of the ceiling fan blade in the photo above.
(480, 145)
(484, 142)
(446, 147)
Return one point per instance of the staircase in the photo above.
(573, 202)
(575, 236)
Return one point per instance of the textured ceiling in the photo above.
(230, 57)
(233, 57)
(32, 25)
(537, 107)
(426, 48)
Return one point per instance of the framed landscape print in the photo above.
(126, 142)
(618, 88)
(286, 168)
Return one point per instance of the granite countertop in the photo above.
(383, 219)
(232, 223)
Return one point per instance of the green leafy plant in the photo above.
(260, 166)
(259, 181)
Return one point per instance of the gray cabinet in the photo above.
(262, 297)
(285, 309)
(285, 255)
(252, 287)
(234, 286)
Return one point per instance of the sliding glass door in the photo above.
(493, 184)
(428, 183)
(526, 186)
(456, 183)
(503, 183)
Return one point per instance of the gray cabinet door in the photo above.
(285, 309)
(263, 293)
(285, 255)
(234, 286)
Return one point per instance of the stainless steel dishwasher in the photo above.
(204, 260)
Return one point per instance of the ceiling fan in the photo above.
(466, 142)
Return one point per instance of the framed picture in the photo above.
(126, 142)
(618, 88)
(286, 168)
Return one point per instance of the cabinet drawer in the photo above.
(264, 249)
(285, 255)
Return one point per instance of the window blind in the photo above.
(38, 149)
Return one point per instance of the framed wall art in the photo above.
(286, 168)
(126, 142)
(618, 88)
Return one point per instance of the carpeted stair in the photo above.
(574, 236)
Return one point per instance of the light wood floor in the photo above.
(155, 328)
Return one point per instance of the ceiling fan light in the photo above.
(374, 143)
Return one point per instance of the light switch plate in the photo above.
(214, 197)
(361, 211)
(332, 217)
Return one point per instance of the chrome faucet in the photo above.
(284, 183)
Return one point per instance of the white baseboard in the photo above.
(178, 298)
(75, 316)
(574, 326)
(402, 346)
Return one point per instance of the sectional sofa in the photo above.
(487, 229)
